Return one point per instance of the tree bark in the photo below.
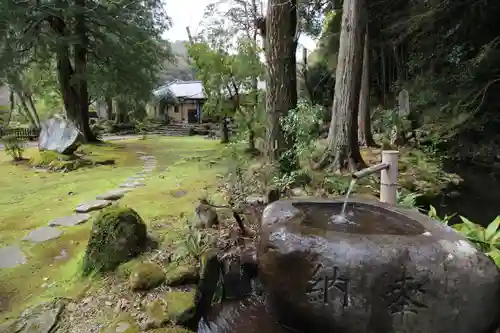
(81, 70)
(225, 131)
(109, 108)
(25, 108)
(280, 47)
(342, 150)
(33, 111)
(365, 136)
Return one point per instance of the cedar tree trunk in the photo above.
(342, 151)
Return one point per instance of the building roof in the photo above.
(181, 89)
(187, 89)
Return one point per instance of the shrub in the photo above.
(13, 146)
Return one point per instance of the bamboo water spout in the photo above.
(389, 176)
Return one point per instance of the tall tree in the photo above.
(365, 136)
(342, 149)
(280, 47)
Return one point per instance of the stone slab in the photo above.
(70, 221)
(136, 178)
(179, 194)
(11, 256)
(42, 234)
(92, 205)
(131, 185)
(113, 194)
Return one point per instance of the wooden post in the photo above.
(389, 177)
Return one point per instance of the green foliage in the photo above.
(407, 200)
(195, 244)
(13, 146)
(486, 239)
(303, 124)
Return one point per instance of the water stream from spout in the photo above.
(351, 187)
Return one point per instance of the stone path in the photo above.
(11, 256)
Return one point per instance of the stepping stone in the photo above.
(132, 185)
(11, 256)
(42, 234)
(70, 221)
(113, 194)
(179, 194)
(136, 178)
(92, 205)
(147, 157)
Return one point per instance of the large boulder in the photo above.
(382, 270)
(118, 235)
(59, 135)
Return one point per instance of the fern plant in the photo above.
(13, 146)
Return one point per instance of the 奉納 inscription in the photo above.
(325, 284)
(404, 296)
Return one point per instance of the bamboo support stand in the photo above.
(389, 176)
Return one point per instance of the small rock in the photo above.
(298, 192)
(182, 275)
(113, 194)
(146, 276)
(42, 234)
(40, 319)
(255, 200)
(70, 221)
(62, 255)
(92, 205)
(11, 256)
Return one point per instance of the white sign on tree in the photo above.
(4, 104)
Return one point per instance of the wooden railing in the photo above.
(21, 133)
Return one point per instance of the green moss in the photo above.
(118, 235)
(183, 273)
(30, 199)
(157, 313)
(58, 162)
(177, 303)
(146, 276)
(124, 270)
(46, 157)
(124, 323)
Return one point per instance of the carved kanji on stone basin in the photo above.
(378, 269)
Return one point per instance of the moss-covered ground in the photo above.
(30, 199)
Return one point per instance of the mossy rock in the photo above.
(58, 162)
(146, 276)
(178, 302)
(182, 274)
(118, 235)
(124, 323)
(157, 314)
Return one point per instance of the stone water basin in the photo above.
(384, 270)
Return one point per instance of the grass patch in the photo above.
(30, 199)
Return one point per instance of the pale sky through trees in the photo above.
(190, 12)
